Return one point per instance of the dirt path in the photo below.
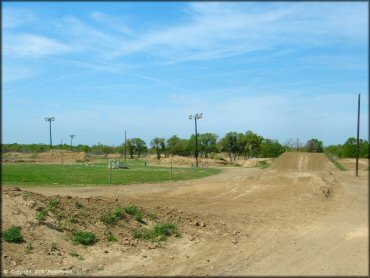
(301, 217)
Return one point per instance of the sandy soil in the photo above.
(350, 163)
(300, 217)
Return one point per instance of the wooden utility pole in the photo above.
(358, 133)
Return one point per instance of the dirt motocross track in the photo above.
(300, 217)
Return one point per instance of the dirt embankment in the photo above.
(301, 217)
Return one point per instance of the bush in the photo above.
(13, 235)
(263, 164)
(160, 232)
(131, 209)
(84, 238)
(111, 238)
(111, 218)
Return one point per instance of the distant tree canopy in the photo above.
(314, 146)
(349, 149)
(235, 144)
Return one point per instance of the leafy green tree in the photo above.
(252, 144)
(230, 145)
(208, 143)
(271, 148)
(314, 146)
(158, 144)
(139, 146)
(131, 147)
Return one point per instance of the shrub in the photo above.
(131, 209)
(160, 232)
(54, 203)
(263, 164)
(111, 238)
(41, 216)
(152, 215)
(84, 238)
(79, 205)
(111, 218)
(13, 235)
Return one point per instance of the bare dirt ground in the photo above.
(301, 217)
(350, 163)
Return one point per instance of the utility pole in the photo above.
(358, 133)
(72, 136)
(50, 119)
(196, 117)
(125, 146)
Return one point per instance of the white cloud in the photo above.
(30, 45)
(15, 17)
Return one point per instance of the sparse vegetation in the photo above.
(135, 211)
(79, 205)
(112, 217)
(53, 203)
(335, 162)
(54, 246)
(76, 255)
(84, 238)
(29, 248)
(152, 215)
(26, 196)
(160, 232)
(13, 235)
(263, 164)
(111, 238)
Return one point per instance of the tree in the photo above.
(208, 143)
(252, 144)
(140, 146)
(230, 145)
(159, 145)
(131, 147)
(314, 146)
(271, 148)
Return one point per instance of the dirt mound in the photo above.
(301, 161)
(49, 223)
(54, 156)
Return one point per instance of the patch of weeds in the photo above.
(135, 211)
(54, 246)
(336, 163)
(263, 164)
(112, 217)
(53, 203)
(60, 216)
(76, 255)
(111, 238)
(152, 215)
(29, 248)
(41, 216)
(26, 196)
(160, 232)
(79, 205)
(13, 235)
(84, 238)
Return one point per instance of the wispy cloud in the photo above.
(30, 45)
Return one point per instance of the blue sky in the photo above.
(283, 70)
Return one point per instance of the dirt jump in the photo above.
(301, 216)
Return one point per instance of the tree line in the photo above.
(237, 145)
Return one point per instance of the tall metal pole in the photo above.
(125, 146)
(50, 119)
(358, 134)
(196, 143)
(72, 136)
(51, 143)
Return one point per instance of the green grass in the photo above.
(13, 235)
(26, 174)
(160, 232)
(84, 238)
(134, 210)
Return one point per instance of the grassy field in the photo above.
(94, 174)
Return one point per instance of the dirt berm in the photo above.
(301, 161)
